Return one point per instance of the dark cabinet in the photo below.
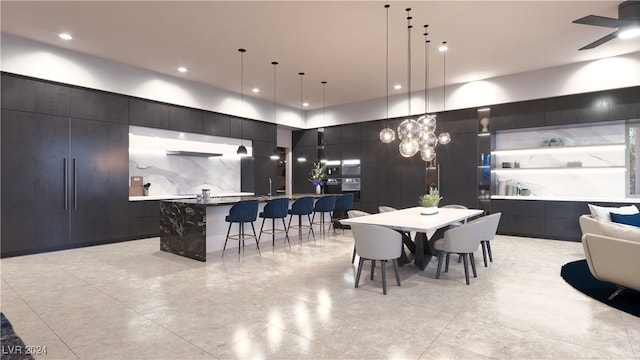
(144, 219)
(35, 155)
(520, 217)
(457, 170)
(148, 113)
(517, 115)
(64, 182)
(31, 95)
(215, 124)
(97, 105)
(184, 119)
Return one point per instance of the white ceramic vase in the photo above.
(431, 210)
(318, 189)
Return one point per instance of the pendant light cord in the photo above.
(444, 78)
(409, 26)
(274, 63)
(387, 63)
(301, 97)
(426, 70)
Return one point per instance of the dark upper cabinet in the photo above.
(517, 115)
(575, 109)
(333, 151)
(236, 128)
(350, 151)
(148, 113)
(185, 119)
(98, 105)
(624, 103)
(458, 121)
(304, 138)
(350, 133)
(370, 131)
(332, 135)
(264, 131)
(24, 94)
(216, 124)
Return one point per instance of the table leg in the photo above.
(424, 248)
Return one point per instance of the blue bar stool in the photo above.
(323, 205)
(302, 206)
(344, 203)
(275, 209)
(244, 211)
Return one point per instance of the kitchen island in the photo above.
(191, 228)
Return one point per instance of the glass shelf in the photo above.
(566, 148)
(577, 168)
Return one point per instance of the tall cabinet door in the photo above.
(99, 169)
(35, 150)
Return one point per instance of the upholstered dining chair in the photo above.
(275, 209)
(489, 233)
(323, 205)
(343, 204)
(463, 240)
(456, 206)
(242, 212)
(301, 206)
(377, 243)
(354, 214)
(384, 209)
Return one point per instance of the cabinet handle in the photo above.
(75, 184)
(66, 184)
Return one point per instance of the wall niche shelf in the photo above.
(564, 148)
(542, 169)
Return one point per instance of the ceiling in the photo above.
(341, 42)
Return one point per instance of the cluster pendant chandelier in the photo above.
(415, 135)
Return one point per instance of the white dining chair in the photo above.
(490, 229)
(456, 206)
(376, 242)
(463, 240)
(384, 209)
(354, 214)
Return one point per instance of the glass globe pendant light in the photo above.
(409, 130)
(387, 135)
(409, 147)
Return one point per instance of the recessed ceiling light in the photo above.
(182, 69)
(397, 86)
(255, 90)
(65, 36)
(305, 104)
(629, 33)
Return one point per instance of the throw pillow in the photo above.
(602, 212)
(633, 219)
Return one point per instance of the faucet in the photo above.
(270, 185)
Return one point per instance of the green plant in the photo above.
(316, 175)
(432, 199)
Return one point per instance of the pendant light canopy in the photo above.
(275, 155)
(387, 135)
(302, 157)
(242, 150)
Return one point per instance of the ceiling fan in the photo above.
(627, 23)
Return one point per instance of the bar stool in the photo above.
(275, 209)
(244, 211)
(343, 204)
(301, 206)
(323, 205)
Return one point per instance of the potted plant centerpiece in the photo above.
(430, 201)
(316, 175)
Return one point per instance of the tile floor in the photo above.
(131, 301)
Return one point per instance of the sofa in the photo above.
(612, 251)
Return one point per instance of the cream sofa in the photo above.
(612, 251)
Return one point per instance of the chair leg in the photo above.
(353, 256)
(446, 265)
(286, 233)
(255, 237)
(383, 265)
(311, 227)
(395, 268)
(226, 239)
(484, 252)
(240, 236)
(440, 256)
(261, 227)
(489, 251)
(466, 268)
(473, 265)
(359, 271)
(617, 292)
(373, 268)
(273, 232)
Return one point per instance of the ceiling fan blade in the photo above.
(598, 21)
(600, 41)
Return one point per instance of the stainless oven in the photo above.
(350, 184)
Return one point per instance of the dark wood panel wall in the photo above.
(97, 122)
(389, 179)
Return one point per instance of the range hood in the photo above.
(192, 153)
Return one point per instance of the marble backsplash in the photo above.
(599, 173)
(184, 175)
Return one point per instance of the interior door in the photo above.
(35, 212)
(99, 170)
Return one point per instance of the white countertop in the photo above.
(566, 198)
(188, 196)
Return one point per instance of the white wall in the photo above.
(30, 58)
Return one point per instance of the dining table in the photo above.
(415, 219)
